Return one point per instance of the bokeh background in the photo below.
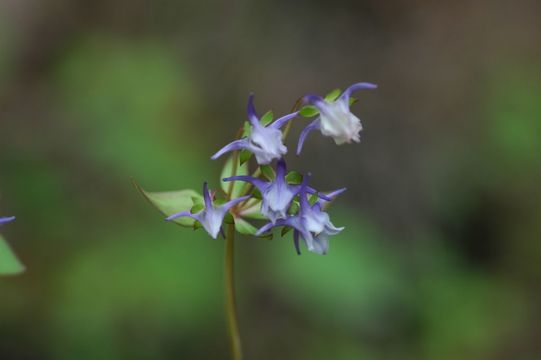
(441, 258)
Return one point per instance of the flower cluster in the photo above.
(271, 193)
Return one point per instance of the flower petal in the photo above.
(283, 120)
(5, 220)
(235, 145)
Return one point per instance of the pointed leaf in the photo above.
(333, 95)
(244, 227)
(9, 263)
(309, 111)
(172, 202)
(230, 170)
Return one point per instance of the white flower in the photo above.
(335, 118)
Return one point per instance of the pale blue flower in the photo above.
(311, 222)
(265, 142)
(276, 195)
(335, 118)
(211, 217)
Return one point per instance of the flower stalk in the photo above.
(230, 301)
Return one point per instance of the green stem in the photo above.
(230, 304)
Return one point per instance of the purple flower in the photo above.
(276, 195)
(5, 220)
(311, 222)
(211, 217)
(335, 118)
(265, 142)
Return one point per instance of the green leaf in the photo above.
(333, 95)
(244, 227)
(172, 202)
(309, 111)
(197, 200)
(267, 118)
(245, 155)
(268, 172)
(197, 225)
(9, 263)
(228, 170)
(294, 177)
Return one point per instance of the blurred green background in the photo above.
(441, 257)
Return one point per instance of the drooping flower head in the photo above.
(265, 142)
(311, 222)
(212, 216)
(335, 118)
(276, 195)
(5, 220)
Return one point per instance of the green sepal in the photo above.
(9, 263)
(313, 199)
(285, 230)
(309, 111)
(197, 225)
(293, 208)
(197, 208)
(198, 200)
(352, 101)
(266, 236)
(333, 95)
(268, 172)
(227, 171)
(246, 129)
(294, 177)
(256, 194)
(244, 227)
(172, 202)
(266, 119)
(228, 219)
(219, 201)
(244, 156)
